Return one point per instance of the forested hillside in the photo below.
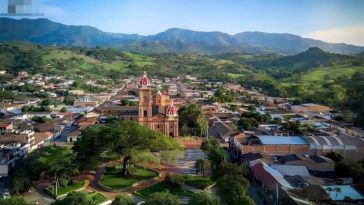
(312, 76)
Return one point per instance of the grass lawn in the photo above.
(164, 186)
(199, 181)
(96, 197)
(113, 180)
(67, 189)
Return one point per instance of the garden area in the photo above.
(96, 197)
(198, 181)
(71, 186)
(113, 179)
(164, 186)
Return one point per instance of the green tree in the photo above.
(64, 109)
(19, 182)
(209, 143)
(125, 102)
(346, 168)
(127, 139)
(232, 188)
(192, 117)
(13, 201)
(162, 198)
(6, 95)
(45, 102)
(336, 157)
(247, 123)
(216, 157)
(203, 198)
(123, 200)
(54, 161)
(69, 100)
(227, 168)
(176, 179)
(201, 165)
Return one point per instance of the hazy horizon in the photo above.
(331, 21)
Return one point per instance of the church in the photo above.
(155, 112)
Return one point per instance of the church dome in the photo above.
(171, 110)
(159, 93)
(144, 80)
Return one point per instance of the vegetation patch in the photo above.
(164, 186)
(65, 189)
(198, 181)
(112, 178)
(96, 197)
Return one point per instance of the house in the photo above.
(10, 106)
(40, 138)
(291, 170)
(86, 122)
(16, 136)
(272, 145)
(268, 182)
(6, 126)
(9, 156)
(311, 107)
(343, 193)
(86, 102)
(76, 92)
(22, 74)
(225, 132)
(316, 165)
(74, 136)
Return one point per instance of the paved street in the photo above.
(186, 165)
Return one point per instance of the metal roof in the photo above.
(282, 140)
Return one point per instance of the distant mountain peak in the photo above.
(175, 40)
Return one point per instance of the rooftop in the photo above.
(339, 193)
(282, 140)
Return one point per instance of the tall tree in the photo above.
(201, 165)
(232, 189)
(192, 117)
(128, 139)
(54, 161)
(216, 157)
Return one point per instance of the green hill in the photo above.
(91, 62)
(313, 57)
(339, 85)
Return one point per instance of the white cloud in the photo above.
(349, 34)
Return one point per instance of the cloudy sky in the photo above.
(328, 20)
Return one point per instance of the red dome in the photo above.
(159, 93)
(171, 110)
(144, 80)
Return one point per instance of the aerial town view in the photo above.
(171, 102)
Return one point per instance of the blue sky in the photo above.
(330, 20)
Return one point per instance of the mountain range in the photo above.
(175, 40)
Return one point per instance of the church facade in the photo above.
(155, 112)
